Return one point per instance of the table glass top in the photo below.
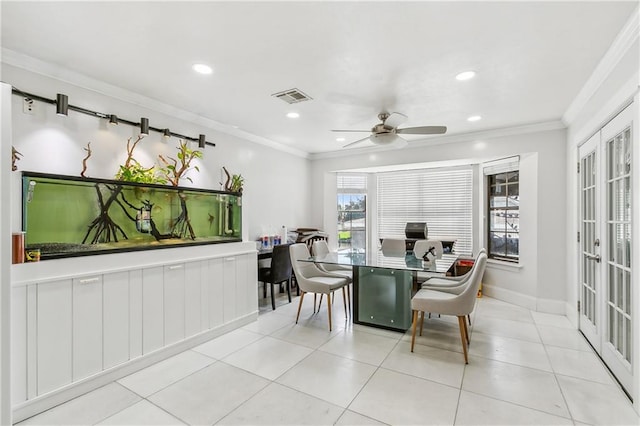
(377, 259)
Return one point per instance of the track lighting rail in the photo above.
(62, 106)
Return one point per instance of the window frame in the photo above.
(490, 183)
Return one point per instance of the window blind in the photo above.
(351, 183)
(441, 198)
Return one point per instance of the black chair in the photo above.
(278, 272)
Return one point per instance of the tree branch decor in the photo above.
(175, 169)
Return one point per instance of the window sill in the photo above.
(505, 266)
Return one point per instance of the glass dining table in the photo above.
(383, 284)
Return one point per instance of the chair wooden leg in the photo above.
(344, 302)
(329, 308)
(415, 325)
(273, 299)
(461, 322)
(466, 333)
(422, 321)
(299, 306)
(288, 284)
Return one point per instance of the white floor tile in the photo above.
(87, 409)
(580, 364)
(268, 357)
(226, 344)
(439, 333)
(542, 318)
(596, 403)
(280, 405)
(360, 346)
(209, 394)
(563, 337)
(396, 398)
(506, 328)
(311, 337)
(427, 362)
(158, 376)
(329, 377)
(474, 409)
(513, 351)
(520, 385)
(349, 418)
(505, 311)
(142, 413)
(268, 323)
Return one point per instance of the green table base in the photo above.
(382, 297)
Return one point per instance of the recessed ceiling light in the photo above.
(293, 115)
(467, 75)
(202, 68)
(474, 118)
(340, 139)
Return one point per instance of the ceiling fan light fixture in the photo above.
(386, 139)
(466, 75)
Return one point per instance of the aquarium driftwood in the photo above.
(234, 183)
(15, 156)
(133, 171)
(103, 227)
(176, 169)
(182, 225)
(84, 160)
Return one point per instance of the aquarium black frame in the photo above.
(134, 184)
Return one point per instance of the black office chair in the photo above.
(279, 272)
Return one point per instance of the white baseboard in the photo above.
(548, 306)
(73, 390)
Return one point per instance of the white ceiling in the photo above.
(355, 59)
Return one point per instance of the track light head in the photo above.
(113, 119)
(201, 141)
(167, 133)
(144, 126)
(62, 104)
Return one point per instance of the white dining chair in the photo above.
(320, 248)
(444, 303)
(312, 279)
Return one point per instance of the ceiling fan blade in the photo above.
(359, 131)
(395, 119)
(356, 142)
(424, 130)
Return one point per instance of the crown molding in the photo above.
(450, 139)
(625, 39)
(83, 81)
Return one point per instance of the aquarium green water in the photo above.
(67, 216)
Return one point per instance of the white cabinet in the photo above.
(193, 298)
(215, 287)
(68, 330)
(152, 309)
(116, 311)
(229, 285)
(54, 335)
(173, 303)
(87, 326)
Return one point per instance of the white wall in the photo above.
(539, 281)
(276, 183)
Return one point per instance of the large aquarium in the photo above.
(65, 216)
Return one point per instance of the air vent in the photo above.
(292, 96)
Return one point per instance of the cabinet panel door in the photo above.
(87, 326)
(115, 293)
(192, 298)
(135, 313)
(229, 284)
(216, 293)
(18, 345)
(152, 309)
(54, 325)
(173, 303)
(252, 282)
(242, 304)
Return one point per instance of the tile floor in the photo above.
(524, 368)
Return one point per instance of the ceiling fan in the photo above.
(386, 132)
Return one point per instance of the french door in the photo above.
(606, 287)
